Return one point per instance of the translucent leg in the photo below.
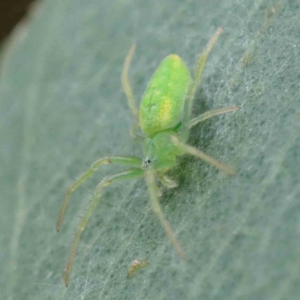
(150, 180)
(130, 174)
(126, 86)
(134, 135)
(195, 152)
(129, 161)
(199, 68)
(211, 113)
(166, 181)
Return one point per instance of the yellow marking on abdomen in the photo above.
(165, 111)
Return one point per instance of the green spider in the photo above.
(165, 119)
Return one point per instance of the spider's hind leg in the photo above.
(129, 95)
(211, 113)
(207, 158)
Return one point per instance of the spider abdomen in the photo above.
(163, 101)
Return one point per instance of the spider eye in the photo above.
(146, 163)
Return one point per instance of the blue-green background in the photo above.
(62, 107)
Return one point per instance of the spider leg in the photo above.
(211, 113)
(199, 68)
(195, 152)
(134, 135)
(129, 95)
(166, 181)
(130, 174)
(125, 83)
(152, 188)
(129, 161)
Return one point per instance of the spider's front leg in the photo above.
(127, 161)
(130, 174)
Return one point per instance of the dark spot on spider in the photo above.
(146, 163)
